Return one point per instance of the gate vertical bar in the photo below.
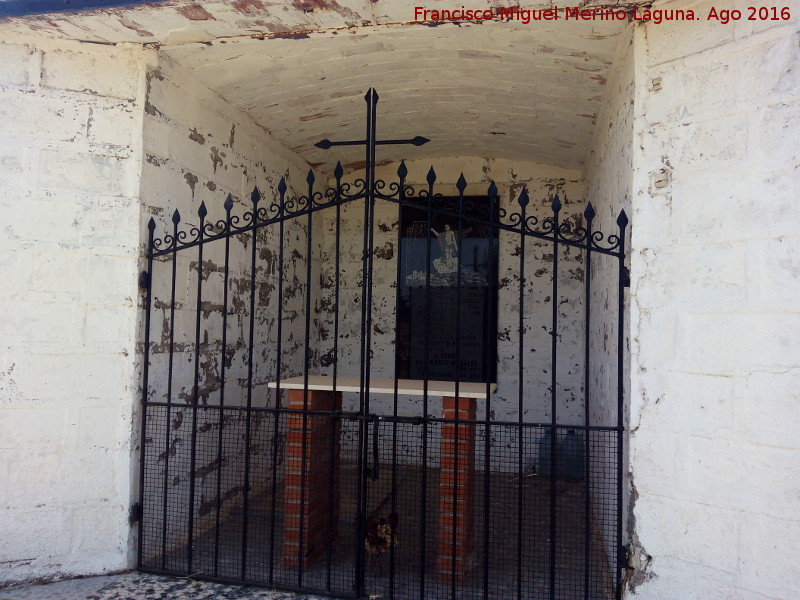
(461, 185)
(622, 222)
(176, 218)
(363, 375)
(424, 504)
(402, 171)
(221, 417)
(370, 241)
(279, 335)
(337, 172)
(370, 200)
(255, 196)
(202, 212)
(148, 298)
(523, 202)
(487, 442)
(305, 463)
(553, 403)
(587, 380)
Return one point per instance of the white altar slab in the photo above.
(384, 385)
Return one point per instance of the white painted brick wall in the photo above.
(608, 181)
(71, 122)
(715, 356)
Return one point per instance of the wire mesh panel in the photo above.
(275, 451)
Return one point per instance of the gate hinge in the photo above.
(626, 277)
(135, 513)
(623, 557)
(144, 280)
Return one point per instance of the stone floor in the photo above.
(140, 586)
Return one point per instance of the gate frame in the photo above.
(368, 189)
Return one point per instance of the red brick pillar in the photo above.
(315, 467)
(456, 488)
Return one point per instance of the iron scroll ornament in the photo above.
(285, 208)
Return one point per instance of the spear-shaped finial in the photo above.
(461, 184)
(431, 176)
(402, 170)
(523, 198)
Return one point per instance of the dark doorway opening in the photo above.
(448, 279)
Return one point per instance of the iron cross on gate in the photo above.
(370, 142)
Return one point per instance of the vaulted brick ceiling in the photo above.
(300, 69)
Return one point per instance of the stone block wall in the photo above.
(609, 181)
(714, 313)
(70, 160)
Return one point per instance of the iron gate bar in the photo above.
(254, 197)
(461, 185)
(424, 500)
(338, 172)
(493, 204)
(556, 205)
(523, 202)
(401, 172)
(361, 500)
(202, 212)
(222, 372)
(273, 502)
(148, 299)
(176, 217)
(369, 224)
(306, 364)
(589, 214)
(356, 416)
(622, 222)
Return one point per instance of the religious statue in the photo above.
(448, 263)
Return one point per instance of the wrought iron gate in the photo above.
(280, 447)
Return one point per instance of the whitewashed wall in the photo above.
(714, 318)
(609, 179)
(70, 125)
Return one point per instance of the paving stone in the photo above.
(140, 586)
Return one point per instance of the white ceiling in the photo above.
(300, 68)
